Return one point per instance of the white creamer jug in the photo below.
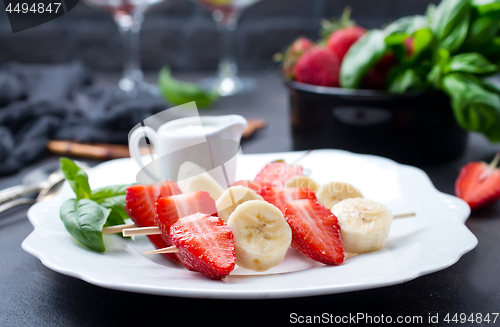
(212, 142)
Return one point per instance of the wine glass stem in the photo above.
(130, 28)
(227, 62)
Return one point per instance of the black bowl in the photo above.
(413, 128)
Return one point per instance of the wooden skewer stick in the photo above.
(141, 231)
(133, 230)
(170, 249)
(301, 157)
(404, 215)
(117, 228)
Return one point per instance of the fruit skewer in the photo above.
(174, 249)
(261, 233)
(319, 221)
(133, 230)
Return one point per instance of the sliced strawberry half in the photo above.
(206, 245)
(140, 206)
(315, 231)
(478, 183)
(279, 197)
(276, 173)
(250, 184)
(169, 209)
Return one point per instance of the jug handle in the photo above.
(133, 146)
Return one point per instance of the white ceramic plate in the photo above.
(432, 241)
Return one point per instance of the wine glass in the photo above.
(226, 14)
(129, 15)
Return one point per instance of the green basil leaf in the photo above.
(430, 11)
(482, 29)
(475, 107)
(396, 43)
(407, 80)
(177, 92)
(422, 40)
(457, 35)
(492, 50)
(407, 25)
(473, 63)
(103, 193)
(447, 16)
(490, 8)
(492, 86)
(118, 215)
(114, 219)
(116, 204)
(435, 76)
(76, 177)
(84, 220)
(436, 73)
(361, 57)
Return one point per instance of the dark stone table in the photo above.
(31, 294)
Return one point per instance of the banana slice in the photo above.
(364, 224)
(233, 197)
(332, 193)
(189, 169)
(201, 182)
(302, 181)
(261, 235)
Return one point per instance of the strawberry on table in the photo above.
(318, 66)
(170, 208)
(277, 173)
(206, 245)
(140, 206)
(478, 183)
(279, 197)
(315, 231)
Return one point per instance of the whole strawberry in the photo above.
(478, 183)
(318, 66)
(293, 53)
(342, 39)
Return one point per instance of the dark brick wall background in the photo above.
(183, 35)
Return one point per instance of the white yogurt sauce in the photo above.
(193, 130)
